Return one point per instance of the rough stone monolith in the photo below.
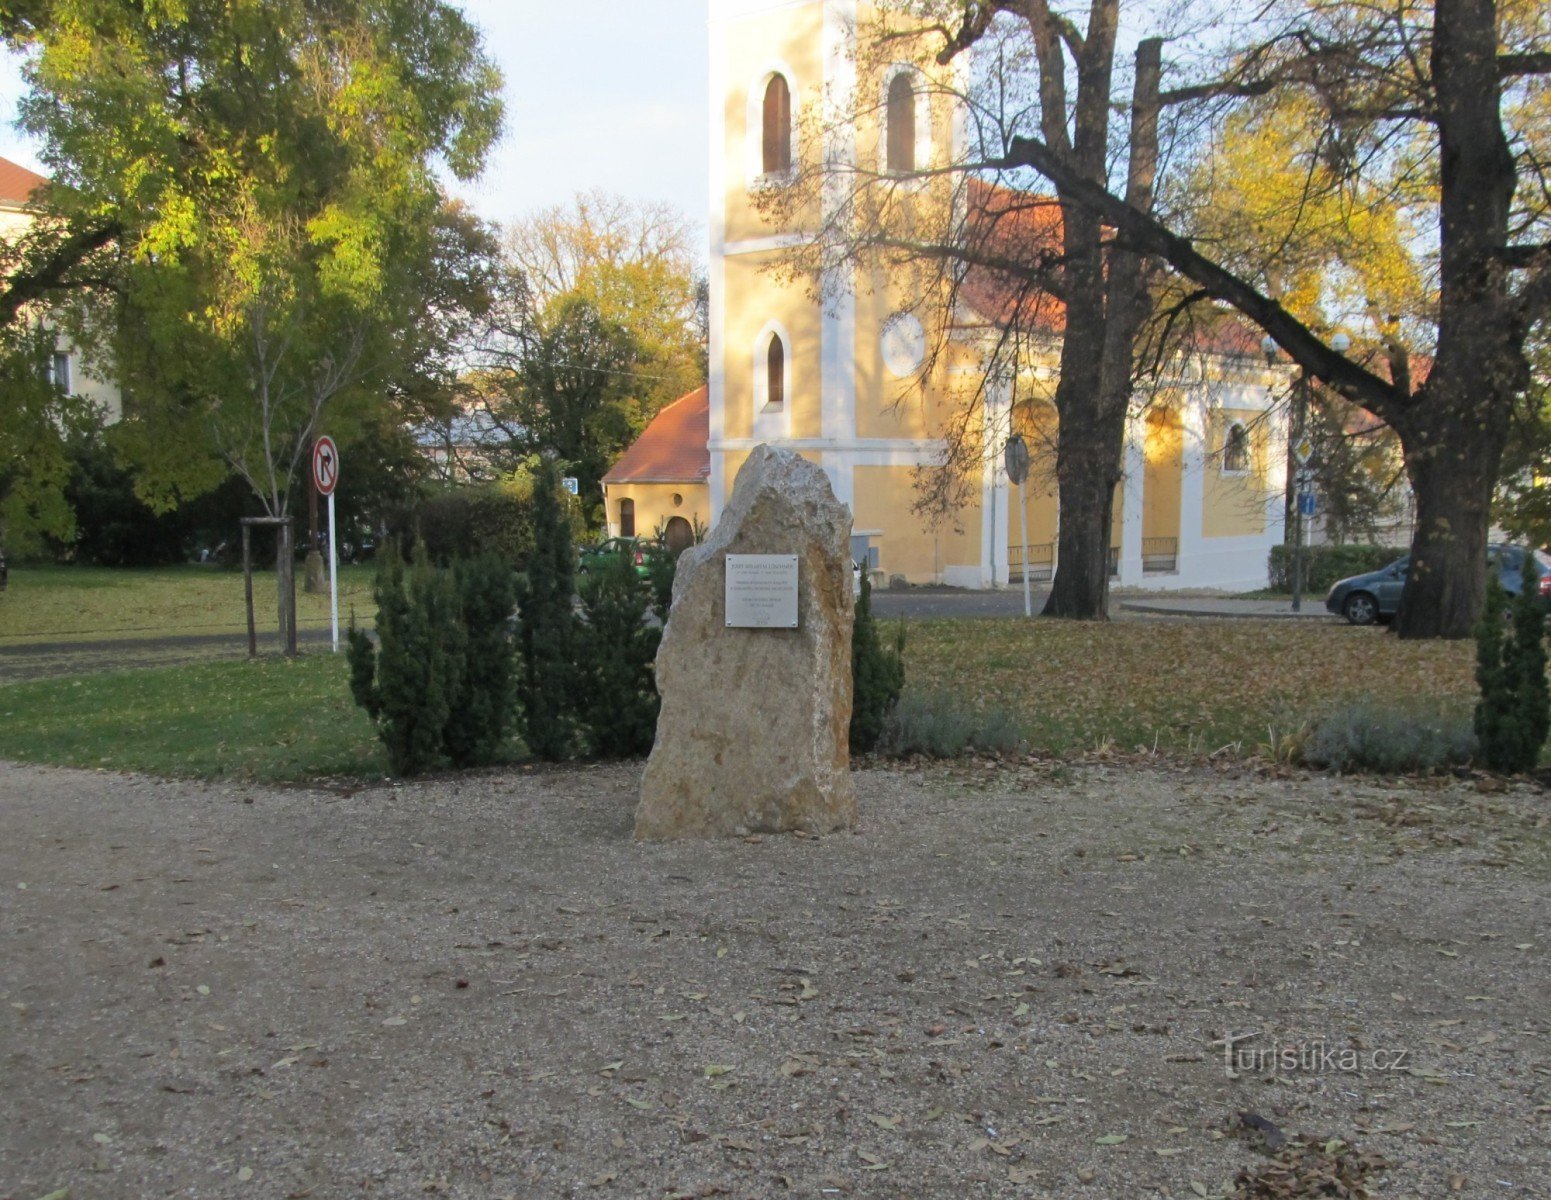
(752, 737)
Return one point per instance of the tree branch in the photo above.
(1510, 65)
(33, 282)
(1378, 395)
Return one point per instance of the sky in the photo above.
(605, 94)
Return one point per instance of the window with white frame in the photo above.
(907, 121)
(901, 124)
(774, 399)
(1235, 450)
(776, 127)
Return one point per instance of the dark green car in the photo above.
(641, 551)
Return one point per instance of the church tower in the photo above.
(827, 380)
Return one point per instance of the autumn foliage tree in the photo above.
(266, 177)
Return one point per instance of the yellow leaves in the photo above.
(1327, 245)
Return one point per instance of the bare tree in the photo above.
(1435, 85)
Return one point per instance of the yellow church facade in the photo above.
(838, 381)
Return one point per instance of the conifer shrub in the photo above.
(877, 674)
(406, 681)
(547, 631)
(481, 709)
(617, 689)
(1513, 715)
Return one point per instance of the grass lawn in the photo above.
(1182, 687)
(268, 719)
(88, 603)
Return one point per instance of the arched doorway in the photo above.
(678, 535)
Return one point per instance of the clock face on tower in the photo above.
(903, 343)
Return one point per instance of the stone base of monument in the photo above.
(756, 712)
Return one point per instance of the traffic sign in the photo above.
(572, 485)
(1306, 504)
(1303, 450)
(325, 465)
(1016, 457)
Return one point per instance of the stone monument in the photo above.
(756, 711)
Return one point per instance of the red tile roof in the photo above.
(1020, 227)
(17, 183)
(673, 448)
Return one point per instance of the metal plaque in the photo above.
(762, 591)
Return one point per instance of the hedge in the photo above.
(1323, 565)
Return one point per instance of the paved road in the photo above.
(957, 602)
(40, 659)
(37, 660)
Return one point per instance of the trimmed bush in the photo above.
(617, 692)
(877, 674)
(405, 682)
(471, 522)
(939, 725)
(480, 711)
(547, 628)
(1323, 565)
(1513, 716)
(1388, 740)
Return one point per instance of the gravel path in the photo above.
(1007, 982)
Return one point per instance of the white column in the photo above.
(716, 216)
(995, 493)
(837, 334)
(1192, 484)
(1132, 497)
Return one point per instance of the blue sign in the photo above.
(1306, 504)
(571, 485)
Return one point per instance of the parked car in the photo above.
(1364, 599)
(640, 550)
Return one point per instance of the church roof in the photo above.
(17, 183)
(673, 448)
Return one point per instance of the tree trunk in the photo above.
(1088, 470)
(1453, 441)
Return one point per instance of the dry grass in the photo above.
(1180, 686)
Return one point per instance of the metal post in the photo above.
(333, 579)
(1298, 483)
(1023, 520)
(247, 587)
(287, 588)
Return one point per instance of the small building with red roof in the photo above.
(660, 487)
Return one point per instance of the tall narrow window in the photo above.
(778, 126)
(1235, 451)
(901, 124)
(627, 518)
(775, 375)
(59, 371)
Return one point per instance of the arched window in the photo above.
(627, 518)
(778, 127)
(775, 374)
(901, 124)
(1235, 451)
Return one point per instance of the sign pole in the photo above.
(1023, 520)
(1015, 457)
(325, 474)
(333, 578)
